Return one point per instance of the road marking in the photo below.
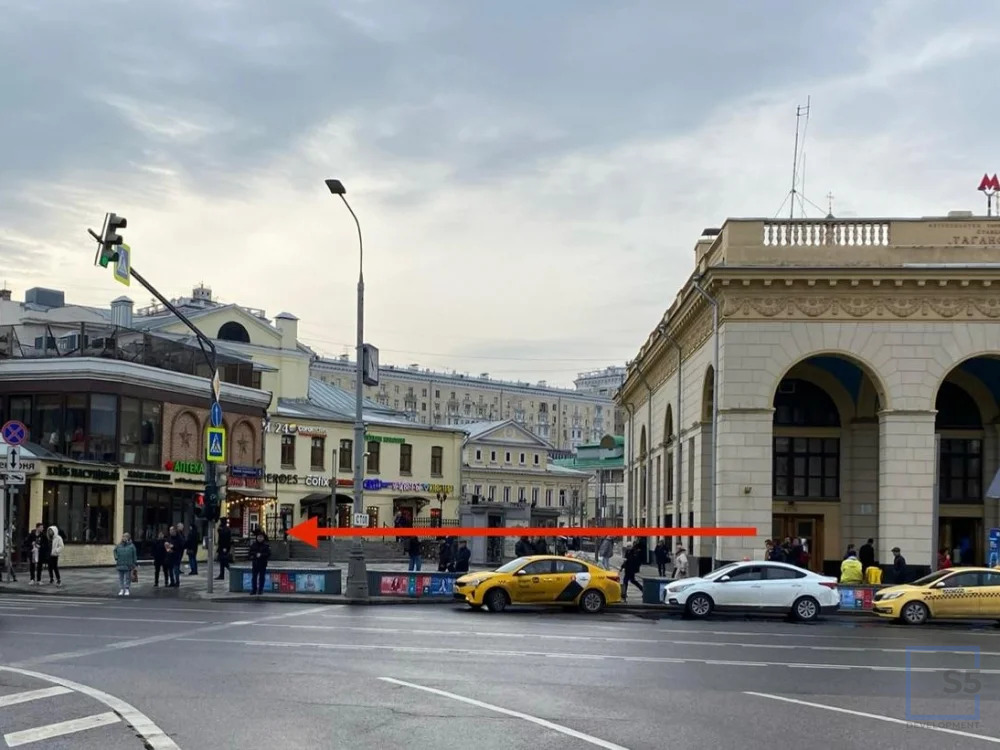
(884, 631)
(562, 655)
(15, 739)
(887, 719)
(156, 738)
(35, 615)
(31, 695)
(588, 738)
(120, 645)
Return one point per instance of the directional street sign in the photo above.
(216, 414)
(13, 458)
(361, 519)
(215, 445)
(14, 432)
(123, 266)
(13, 477)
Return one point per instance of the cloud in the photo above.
(531, 178)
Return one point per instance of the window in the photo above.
(562, 497)
(20, 409)
(961, 471)
(990, 579)
(775, 573)
(747, 573)
(84, 513)
(571, 566)
(141, 423)
(506, 494)
(405, 458)
(479, 455)
(102, 428)
(75, 429)
(317, 454)
(506, 457)
(478, 490)
(538, 568)
(288, 451)
(493, 455)
(536, 459)
(150, 510)
(346, 458)
(493, 492)
(807, 467)
(534, 495)
(520, 494)
(548, 498)
(437, 393)
(962, 580)
(522, 458)
(373, 457)
(46, 427)
(437, 461)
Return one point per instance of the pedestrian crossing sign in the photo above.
(215, 444)
(123, 265)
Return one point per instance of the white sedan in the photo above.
(755, 587)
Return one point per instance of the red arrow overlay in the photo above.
(310, 531)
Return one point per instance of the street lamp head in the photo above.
(336, 187)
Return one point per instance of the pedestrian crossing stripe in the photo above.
(215, 444)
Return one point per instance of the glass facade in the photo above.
(150, 510)
(85, 513)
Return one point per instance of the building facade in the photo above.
(116, 446)
(560, 416)
(850, 390)
(605, 463)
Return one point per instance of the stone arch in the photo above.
(846, 407)
(973, 385)
(185, 437)
(708, 394)
(879, 393)
(243, 444)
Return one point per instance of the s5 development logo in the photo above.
(943, 684)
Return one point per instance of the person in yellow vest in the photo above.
(850, 570)
(873, 576)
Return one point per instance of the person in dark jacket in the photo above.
(225, 555)
(898, 566)
(260, 553)
(541, 546)
(160, 560)
(523, 547)
(446, 554)
(175, 552)
(867, 555)
(630, 566)
(462, 558)
(413, 549)
(191, 545)
(662, 558)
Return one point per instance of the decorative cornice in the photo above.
(861, 306)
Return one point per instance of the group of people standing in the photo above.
(42, 548)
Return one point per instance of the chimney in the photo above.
(121, 312)
(288, 324)
(5, 294)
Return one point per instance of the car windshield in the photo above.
(721, 571)
(512, 565)
(929, 579)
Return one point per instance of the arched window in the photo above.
(233, 331)
(960, 467)
(805, 466)
(708, 395)
(956, 409)
(668, 425)
(800, 403)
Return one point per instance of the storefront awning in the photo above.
(253, 492)
(315, 497)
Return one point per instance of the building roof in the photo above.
(336, 399)
(478, 429)
(619, 443)
(591, 464)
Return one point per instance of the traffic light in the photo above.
(110, 239)
(212, 502)
(199, 505)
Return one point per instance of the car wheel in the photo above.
(699, 606)
(806, 609)
(914, 613)
(592, 602)
(496, 600)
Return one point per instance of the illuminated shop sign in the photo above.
(374, 485)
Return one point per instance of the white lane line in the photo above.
(482, 652)
(156, 738)
(884, 633)
(588, 738)
(27, 736)
(876, 717)
(35, 615)
(45, 634)
(137, 642)
(14, 699)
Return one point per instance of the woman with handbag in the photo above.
(127, 564)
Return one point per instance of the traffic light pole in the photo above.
(211, 472)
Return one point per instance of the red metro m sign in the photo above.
(989, 186)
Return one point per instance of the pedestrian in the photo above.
(944, 559)
(445, 555)
(260, 553)
(33, 551)
(680, 563)
(867, 555)
(631, 564)
(523, 547)
(225, 547)
(160, 560)
(541, 546)
(176, 553)
(126, 562)
(850, 551)
(462, 558)
(191, 545)
(413, 549)
(662, 556)
(605, 551)
(55, 549)
(850, 571)
(898, 566)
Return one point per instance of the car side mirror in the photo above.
(521, 572)
(723, 579)
(939, 585)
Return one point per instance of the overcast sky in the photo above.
(530, 176)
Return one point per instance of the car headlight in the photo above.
(890, 597)
(679, 589)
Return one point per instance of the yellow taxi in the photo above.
(954, 593)
(541, 579)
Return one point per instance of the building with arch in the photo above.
(848, 391)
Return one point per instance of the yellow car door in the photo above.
(956, 595)
(989, 595)
(569, 581)
(533, 582)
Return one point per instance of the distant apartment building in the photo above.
(605, 382)
(563, 417)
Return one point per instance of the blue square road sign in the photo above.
(215, 444)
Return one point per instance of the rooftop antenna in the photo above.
(829, 205)
(800, 112)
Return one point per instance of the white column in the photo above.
(906, 486)
(745, 482)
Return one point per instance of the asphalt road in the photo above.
(200, 675)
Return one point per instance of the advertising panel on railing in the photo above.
(416, 584)
(290, 583)
(856, 598)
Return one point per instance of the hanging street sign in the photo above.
(215, 445)
(14, 432)
(13, 477)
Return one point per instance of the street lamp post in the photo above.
(357, 573)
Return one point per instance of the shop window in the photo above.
(373, 457)
(83, 513)
(317, 454)
(961, 471)
(372, 511)
(20, 409)
(346, 458)
(437, 461)
(47, 425)
(76, 426)
(807, 468)
(288, 451)
(406, 459)
(141, 425)
(101, 430)
(150, 511)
